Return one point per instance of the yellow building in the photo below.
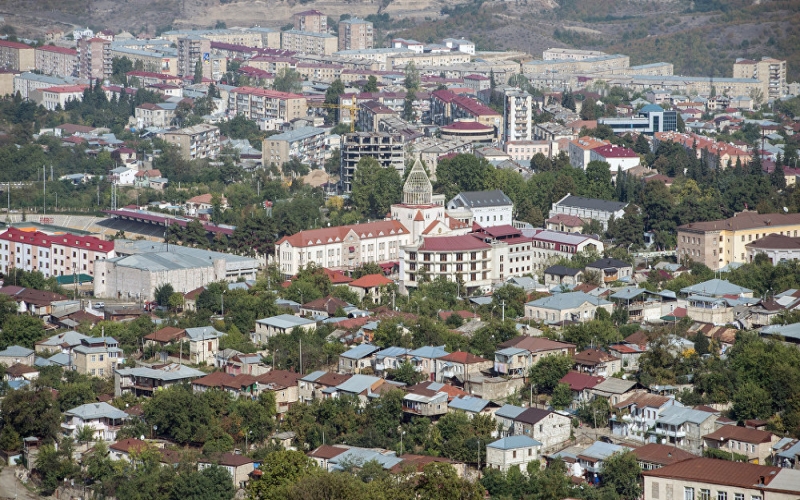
(719, 243)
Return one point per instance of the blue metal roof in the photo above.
(509, 411)
(16, 351)
(514, 442)
(715, 288)
(468, 403)
(570, 300)
(284, 321)
(357, 384)
(391, 352)
(430, 352)
(360, 351)
(601, 450)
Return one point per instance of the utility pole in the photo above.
(504, 311)
(44, 189)
(301, 356)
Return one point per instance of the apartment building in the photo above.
(719, 243)
(552, 132)
(307, 144)
(164, 61)
(262, 104)
(580, 150)
(770, 72)
(517, 116)
(605, 65)
(387, 149)
(619, 158)
(370, 114)
(58, 97)
(355, 34)
(464, 259)
(52, 60)
(26, 83)
(556, 54)
(256, 36)
(17, 56)
(192, 49)
(198, 141)
(523, 151)
(307, 42)
(650, 119)
(312, 21)
(52, 255)
(446, 107)
(154, 115)
(341, 247)
(550, 246)
(460, 45)
(319, 72)
(94, 58)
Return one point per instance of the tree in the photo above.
(778, 177)
(620, 472)
(594, 413)
(288, 80)
(751, 401)
(407, 374)
(371, 85)
(198, 72)
(211, 483)
(24, 331)
(548, 371)
(162, 294)
(375, 188)
(279, 471)
(562, 396)
(463, 172)
(412, 80)
(439, 481)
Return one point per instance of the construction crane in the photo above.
(353, 108)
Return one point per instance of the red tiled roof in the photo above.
(126, 445)
(453, 244)
(166, 334)
(227, 459)
(567, 220)
(536, 344)
(14, 45)
(715, 471)
(327, 451)
(743, 434)
(338, 233)
(265, 93)
(58, 50)
(467, 125)
(579, 381)
(463, 357)
(661, 454)
(473, 107)
(644, 400)
(593, 356)
(371, 281)
(612, 151)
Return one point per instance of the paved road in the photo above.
(7, 486)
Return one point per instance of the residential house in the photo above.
(611, 270)
(654, 456)
(566, 307)
(597, 362)
(581, 385)
(555, 276)
(619, 158)
(510, 451)
(281, 324)
(319, 385)
(124, 449)
(370, 286)
(565, 223)
(628, 353)
(284, 385)
(642, 305)
(486, 208)
(424, 359)
(697, 478)
(591, 459)
(144, 381)
(588, 209)
(633, 417)
(364, 387)
(238, 466)
(389, 359)
(203, 344)
(471, 405)
(753, 443)
(515, 356)
(102, 418)
(685, 427)
(505, 417)
(460, 365)
(97, 356)
(358, 358)
(323, 454)
(236, 385)
(16, 355)
(325, 307)
(426, 400)
(615, 389)
(548, 427)
(164, 336)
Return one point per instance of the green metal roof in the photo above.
(69, 279)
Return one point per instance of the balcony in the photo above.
(672, 432)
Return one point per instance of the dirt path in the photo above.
(11, 488)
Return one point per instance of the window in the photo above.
(705, 494)
(101, 357)
(688, 493)
(654, 490)
(93, 358)
(514, 454)
(755, 497)
(738, 496)
(722, 495)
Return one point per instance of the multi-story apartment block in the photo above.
(551, 246)
(97, 356)
(460, 45)
(262, 104)
(251, 37)
(59, 61)
(199, 141)
(588, 208)
(154, 115)
(192, 49)
(27, 83)
(94, 58)
(370, 115)
(619, 158)
(605, 65)
(162, 60)
(719, 243)
(307, 144)
(477, 83)
(717, 154)
(307, 42)
(517, 116)
(52, 255)
(341, 247)
(17, 56)
(570, 54)
(355, 34)
(319, 72)
(770, 72)
(552, 131)
(54, 97)
(464, 259)
(388, 149)
(580, 150)
(312, 21)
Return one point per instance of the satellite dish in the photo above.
(141, 437)
(785, 210)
